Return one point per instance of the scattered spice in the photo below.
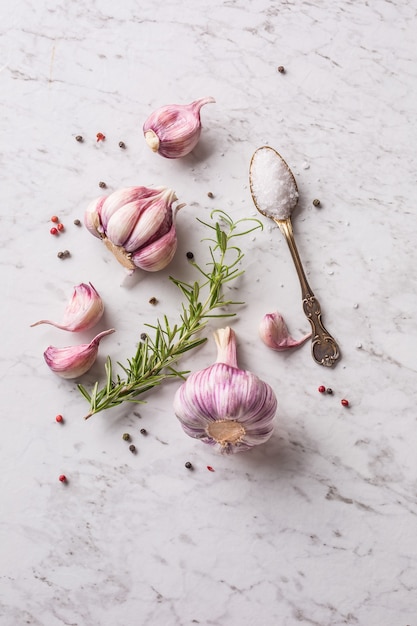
(102, 184)
(210, 194)
(53, 231)
(67, 253)
(122, 145)
(54, 219)
(153, 301)
(132, 448)
(77, 222)
(322, 389)
(143, 336)
(126, 437)
(100, 137)
(143, 431)
(63, 478)
(59, 418)
(344, 402)
(60, 255)
(79, 138)
(316, 202)
(189, 255)
(60, 227)
(210, 469)
(281, 69)
(188, 465)
(63, 254)
(329, 391)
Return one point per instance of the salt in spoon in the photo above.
(275, 195)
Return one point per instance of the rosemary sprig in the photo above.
(156, 356)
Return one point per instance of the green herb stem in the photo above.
(156, 356)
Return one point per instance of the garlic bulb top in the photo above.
(137, 224)
(224, 406)
(174, 130)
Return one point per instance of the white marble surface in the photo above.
(318, 526)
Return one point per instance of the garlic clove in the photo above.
(226, 407)
(174, 130)
(122, 222)
(116, 200)
(154, 220)
(158, 254)
(84, 310)
(74, 361)
(92, 219)
(274, 333)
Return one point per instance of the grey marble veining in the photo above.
(319, 525)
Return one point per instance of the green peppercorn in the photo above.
(316, 202)
(126, 437)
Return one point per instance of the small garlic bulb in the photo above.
(224, 406)
(137, 224)
(74, 361)
(83, 311)
(174, 130)
(274, 333)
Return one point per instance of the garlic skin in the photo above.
(223, 406)
(74, 361)
(84, 310)
(274, 333)
(174, 130)
(137, 224)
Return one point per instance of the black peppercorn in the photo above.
(153, 301)
(210, 194)
(126, 437)
(281, 69)
(329, 391)
(189, 255)
(316, 202)
(143, 431)
(132, 448)
(102, 184)
(60, 255)
(77, 222)
(79, 138)
(122, 145)
(188, 465)
(143, 336)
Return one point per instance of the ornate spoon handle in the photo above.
(324, 348)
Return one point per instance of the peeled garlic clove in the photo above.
(174, 130)
(84, 310)
(226, 407)
(74, 361)
(274, 333)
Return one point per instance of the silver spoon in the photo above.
(275, 195)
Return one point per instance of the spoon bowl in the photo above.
(275, 195)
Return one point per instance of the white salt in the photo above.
(272, 184)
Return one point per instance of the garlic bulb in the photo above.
(137, 224)
(174, 130)
(73, 361)
(224, 406)
(274, 333)
(83, 311)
